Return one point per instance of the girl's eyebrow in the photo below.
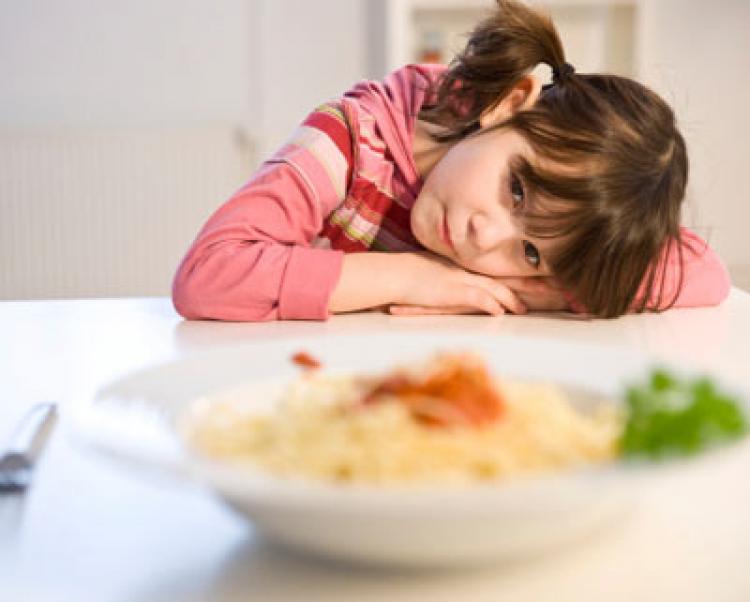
(531, 200)
(515, 161)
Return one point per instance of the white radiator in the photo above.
(109, 213)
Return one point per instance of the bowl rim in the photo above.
(185, 464)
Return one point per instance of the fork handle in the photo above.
(33, 431)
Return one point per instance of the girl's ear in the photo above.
(522, 95)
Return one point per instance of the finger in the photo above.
(420, 310)
(517, 283)
(473, 293)
(527, 284)
(507, 297)
(481, 298)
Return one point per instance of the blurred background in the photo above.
(123, 125)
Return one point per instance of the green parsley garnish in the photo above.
(670, 416)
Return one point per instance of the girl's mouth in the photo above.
(445, 233)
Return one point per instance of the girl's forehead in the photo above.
(507, 146)
(504, 141)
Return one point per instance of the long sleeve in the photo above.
(699, 275)
(253, 259)
(705, 279)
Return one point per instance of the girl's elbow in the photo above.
(708, 287)
(717, 281)
(185, 299)
(197, 297)
(722, 284)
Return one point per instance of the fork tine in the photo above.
(26, 444)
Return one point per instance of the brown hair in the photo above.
(615, 197)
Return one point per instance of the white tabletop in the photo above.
(90, 530)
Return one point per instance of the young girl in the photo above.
(460, 190)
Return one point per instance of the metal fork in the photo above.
(27, 442)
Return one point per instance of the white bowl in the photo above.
(133, 419)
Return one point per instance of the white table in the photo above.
(89, 530)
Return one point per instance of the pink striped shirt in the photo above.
(344, 182)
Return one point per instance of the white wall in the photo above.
(695, 54)
(89, 63)
(312, 51)
(264, 64)
(84, 81)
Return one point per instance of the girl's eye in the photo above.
(516, 192)
(531, 254)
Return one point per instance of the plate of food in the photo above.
(431, 449)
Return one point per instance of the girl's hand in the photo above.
(535, 293)
(539, 293)
(433, 285)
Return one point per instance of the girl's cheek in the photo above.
(496, 266)
(419, 226)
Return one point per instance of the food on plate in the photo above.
(305, 360)
(448, 419)
(445, 420)
(455, 391)
(669, 416)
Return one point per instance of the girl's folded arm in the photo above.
(704, 280)
(252, 260)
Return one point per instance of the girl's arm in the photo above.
(251, 262)
(253, 259)
(705, 279)
(419, 281)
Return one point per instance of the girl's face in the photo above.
(470, 205)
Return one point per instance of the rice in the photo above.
(320, 429)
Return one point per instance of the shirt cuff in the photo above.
(309, 279)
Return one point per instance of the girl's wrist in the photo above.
(371, 279)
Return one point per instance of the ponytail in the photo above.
(501, 49)
(608, 170)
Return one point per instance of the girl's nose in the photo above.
(489, 231)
